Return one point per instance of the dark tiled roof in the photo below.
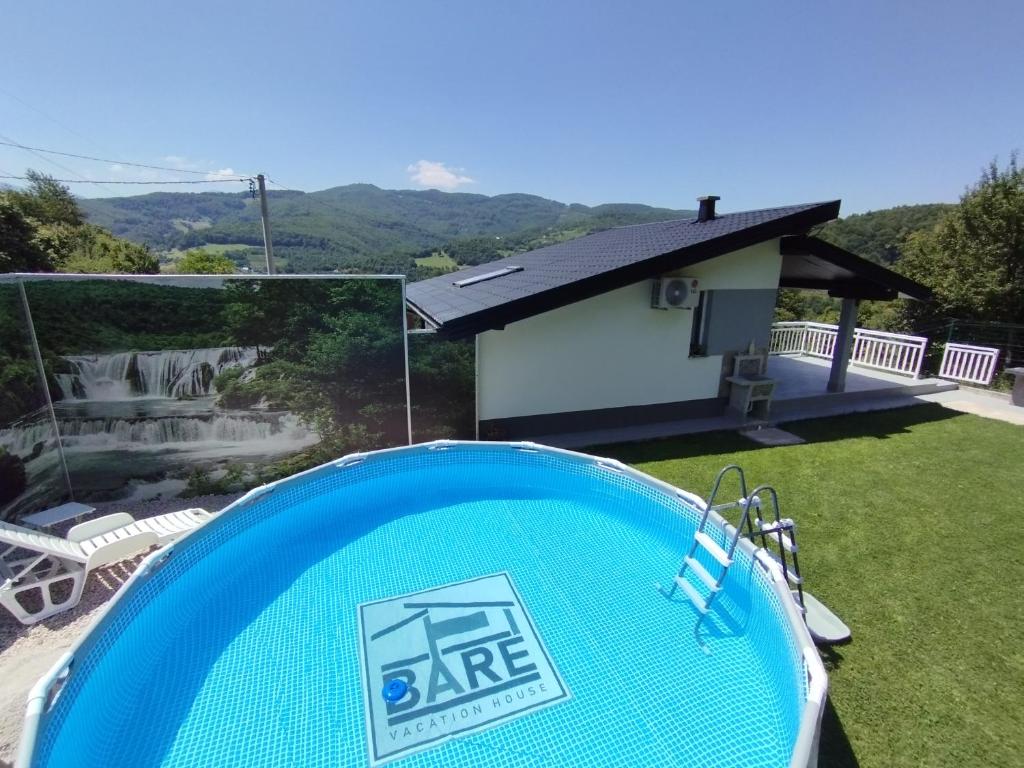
(587, 266)
(810, 263)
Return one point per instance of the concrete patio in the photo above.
(803, 381)
(799, 394)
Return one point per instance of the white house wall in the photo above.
(613, 350)
(758, 266)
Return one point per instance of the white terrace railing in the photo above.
(975, 365)
(804, 338)
(893, 352)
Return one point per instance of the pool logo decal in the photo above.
(450, 661)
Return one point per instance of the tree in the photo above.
(19, 250)
(205, 263)
(47, 201)
(130, 258)
(974, 257)
(92, 250)
(42, 229)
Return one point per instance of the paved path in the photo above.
(980, 402)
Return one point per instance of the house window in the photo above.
(699, 329)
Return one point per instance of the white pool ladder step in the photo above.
(691, 592)
(713, 549)
(701, 573)
(701, 541)
(783, 526)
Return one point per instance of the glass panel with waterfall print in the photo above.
(206, 385)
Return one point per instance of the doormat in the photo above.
(772, 436)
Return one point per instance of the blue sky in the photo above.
(763, 103)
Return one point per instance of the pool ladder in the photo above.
(721, 555)
(775, 529)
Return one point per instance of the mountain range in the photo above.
(355, 227)
(363, 228)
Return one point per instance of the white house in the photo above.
(582, 335)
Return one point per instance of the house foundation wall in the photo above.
(530, 427)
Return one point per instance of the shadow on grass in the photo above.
(835, 751)
(671, 448)
(878, 424)
(831, 657)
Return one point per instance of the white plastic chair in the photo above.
(34, 560)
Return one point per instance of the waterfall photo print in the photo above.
(192, 385)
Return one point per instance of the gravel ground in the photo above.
(26, 653)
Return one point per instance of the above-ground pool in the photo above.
(450, 604)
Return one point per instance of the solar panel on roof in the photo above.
(486, 276)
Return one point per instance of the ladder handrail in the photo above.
(718, 482)
(744, 497)
(753, 500)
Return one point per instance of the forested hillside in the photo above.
(358, 227)
(881, 235)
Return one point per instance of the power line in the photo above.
(10, 143)
(52, 119)
(98, 181)
(41, 157)
(286, 188)
(308, 195)
(283, 187)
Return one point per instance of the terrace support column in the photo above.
(844, 345)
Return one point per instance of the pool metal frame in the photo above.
(805, 750)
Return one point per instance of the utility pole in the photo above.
(268, 244)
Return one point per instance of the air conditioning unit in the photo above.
(675, 293)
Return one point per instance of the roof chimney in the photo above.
(707, 207)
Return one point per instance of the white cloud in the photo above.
(427, 173)
(185, 163)
(131, 173)
(177, 168)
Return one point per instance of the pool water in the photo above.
(243, 648)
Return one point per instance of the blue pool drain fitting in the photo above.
(394, 689)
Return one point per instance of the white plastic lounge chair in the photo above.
(33, 560)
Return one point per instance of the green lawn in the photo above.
(218, 248)
(439, 260)
(254, 255)
(909, 526)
